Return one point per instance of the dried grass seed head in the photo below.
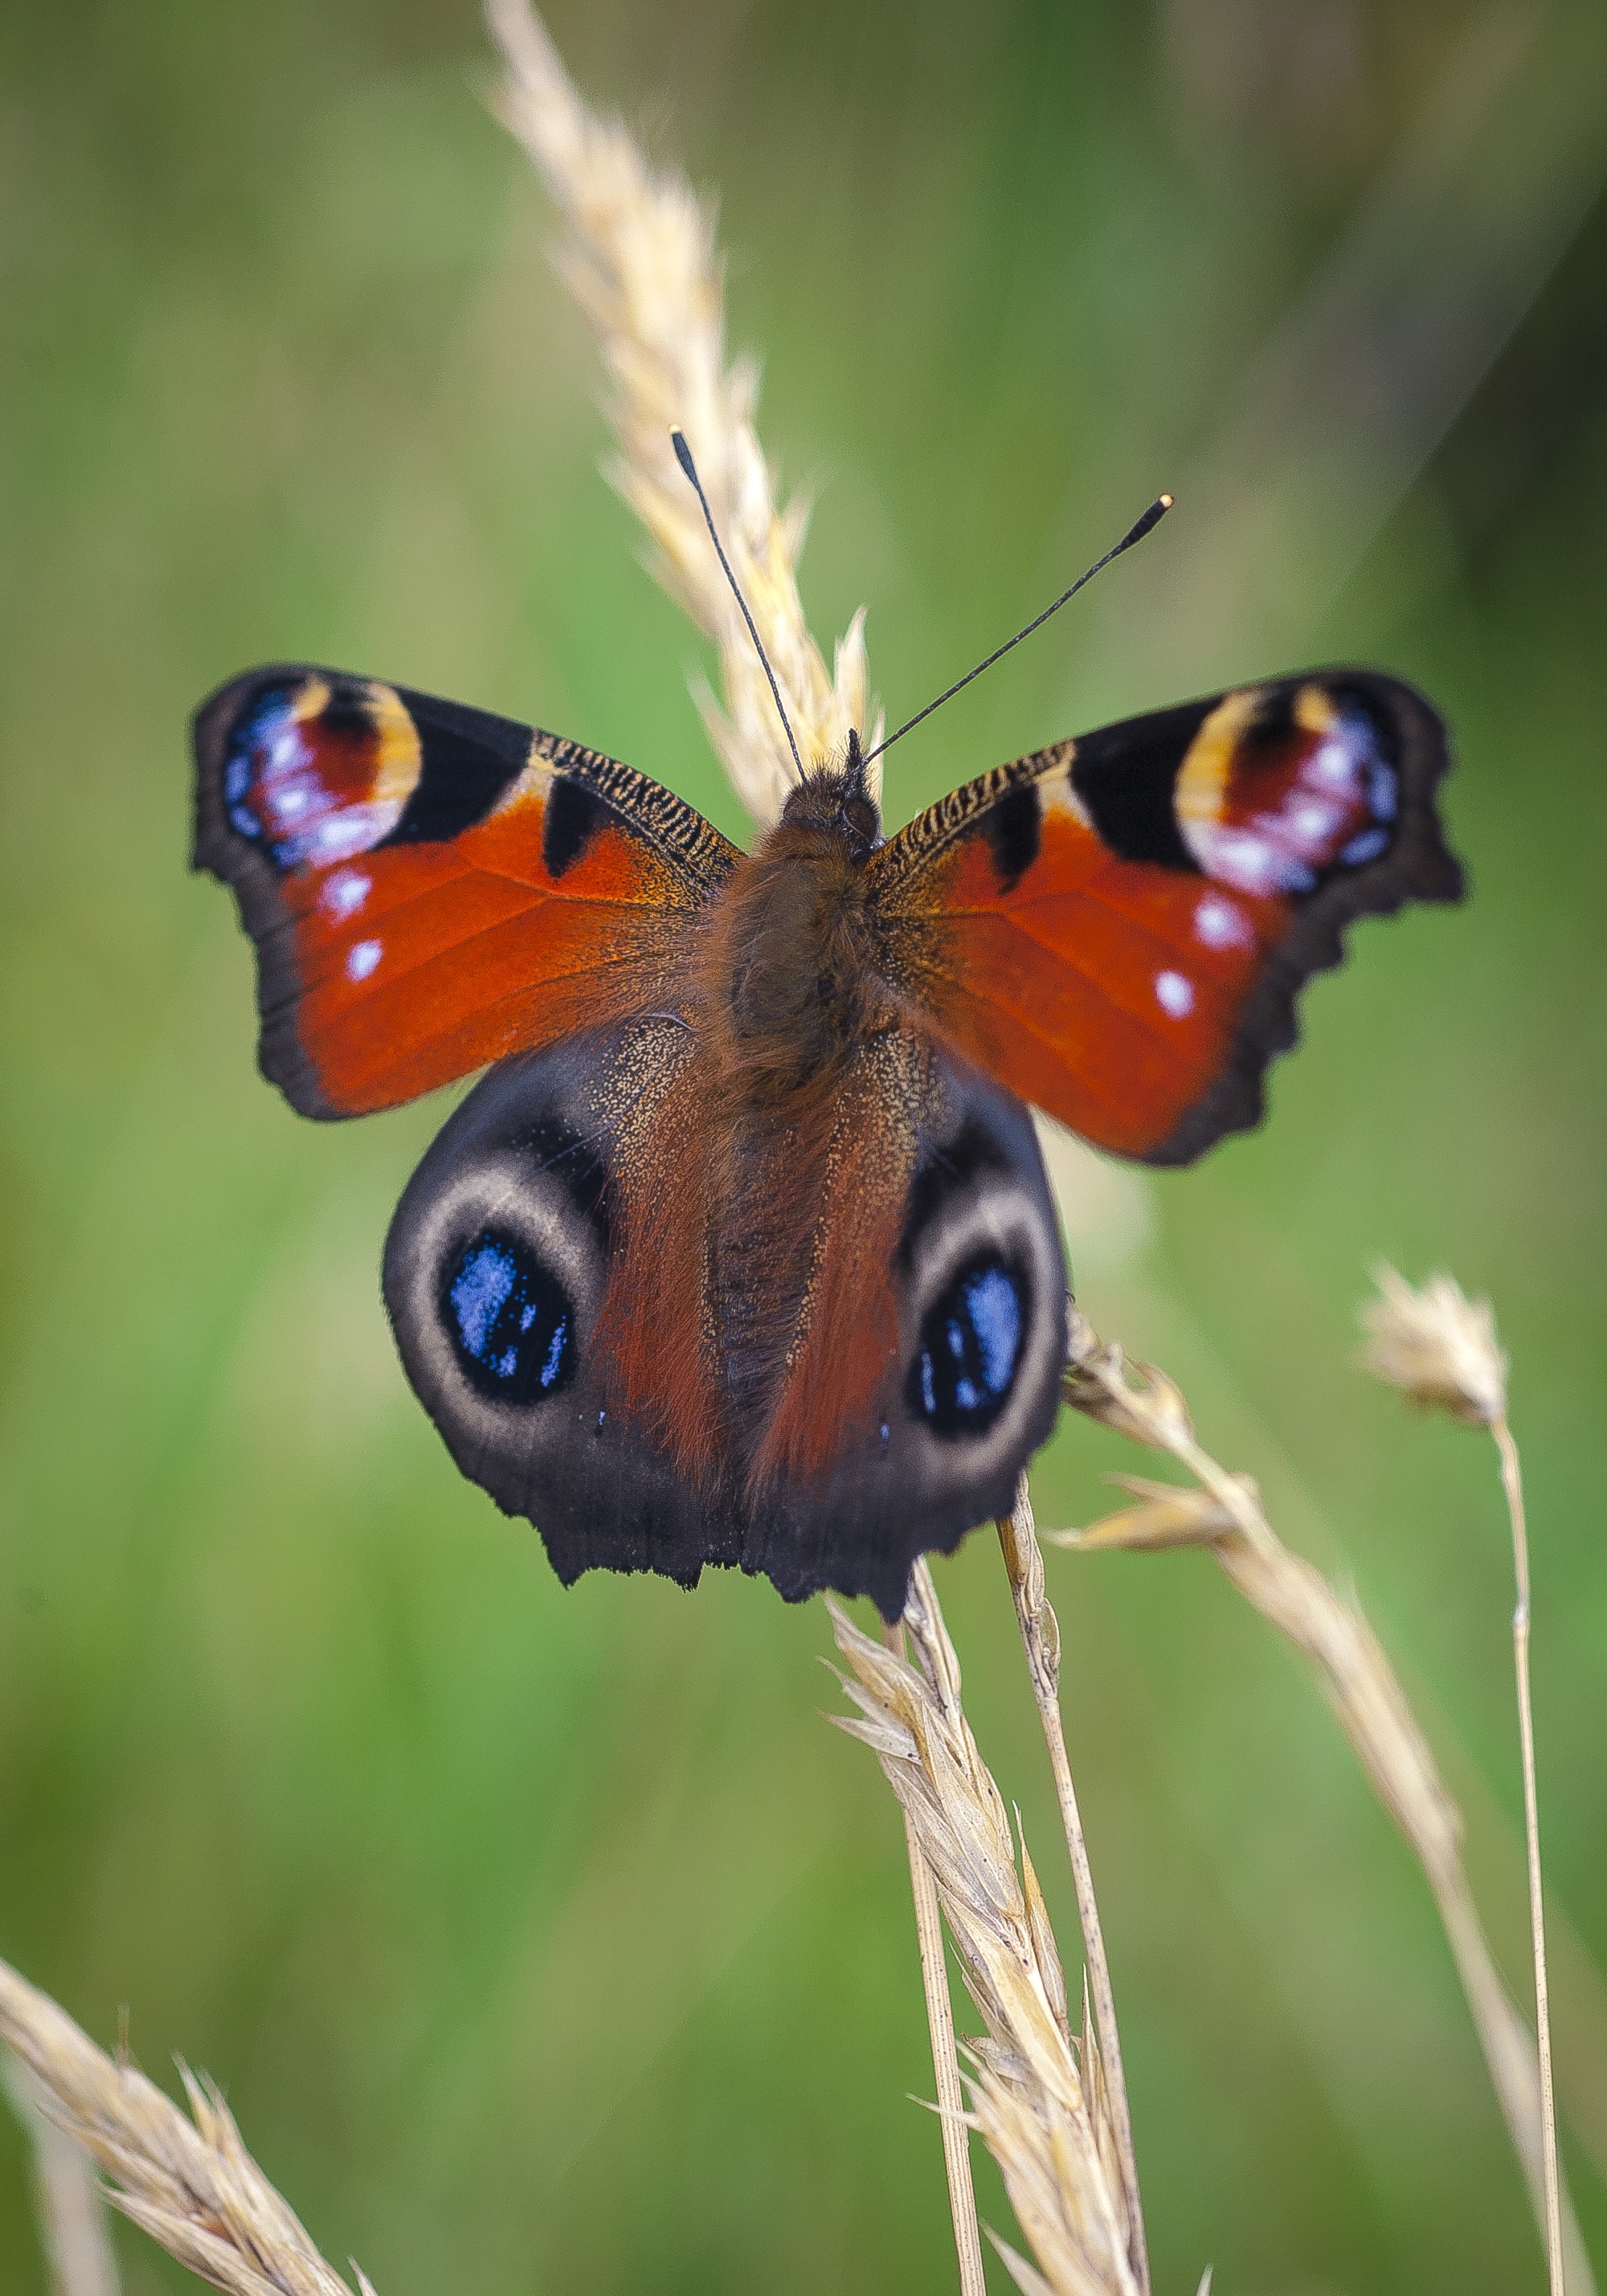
(641, 258)
(1039, 2094)
(1137, 1400)
(1436, 1345)
(188, 2182)
(1167, 1515)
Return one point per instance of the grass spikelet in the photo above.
(1039, 2094)
(640, 258)
(189, 2184)
(1437, 1345)
(1447, 1352)
(1040, 2170)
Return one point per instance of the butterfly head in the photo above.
(837, 799)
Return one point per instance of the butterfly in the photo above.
(741, 1250)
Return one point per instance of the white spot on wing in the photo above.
(1221, 925)
(351, 829)
(362, 959)
(1175, 993)
(1313, 821)
(346, 891)
(1332, 762)
(285, 750)
(1241, 858)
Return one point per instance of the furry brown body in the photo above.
(789, 973)
(795, 1024)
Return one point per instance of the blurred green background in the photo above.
(548, 1940)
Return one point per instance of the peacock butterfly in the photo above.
(741, 1250)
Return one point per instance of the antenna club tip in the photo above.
(1166, 501)
(677, 439)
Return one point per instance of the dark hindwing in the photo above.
(1117, 928)
(929, 1366)
(545, 1275)
(500, 1270)
(431, 888)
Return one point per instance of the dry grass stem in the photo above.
(71, 2214)
(945, 2063)
(641, 261)
(1225, 1513)
(1040, 1638)
(1038, 2095)
(189, 2184)
(1441, 1347)
(1511, 1479)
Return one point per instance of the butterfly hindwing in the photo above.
(1117, 928)
(431, 888)
(500, 1264)
(932, 1338)
(552, 1277)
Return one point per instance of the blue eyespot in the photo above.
(971, 1348)
(509, 1318)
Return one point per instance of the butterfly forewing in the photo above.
(1117, 928)
(432, 887)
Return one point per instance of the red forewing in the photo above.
(431, 888)
(1117, 928)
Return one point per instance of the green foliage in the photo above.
(548, 1940)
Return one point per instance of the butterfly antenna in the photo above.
(677, 439)
(1147, 524)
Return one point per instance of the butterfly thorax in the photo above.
(791, 972)
(836, 799)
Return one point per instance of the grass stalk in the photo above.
(1224, 1512)
(945, 2057)
(1439, 1348)
(1512, 1481)
(68, 2203)
(1040, 1639)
